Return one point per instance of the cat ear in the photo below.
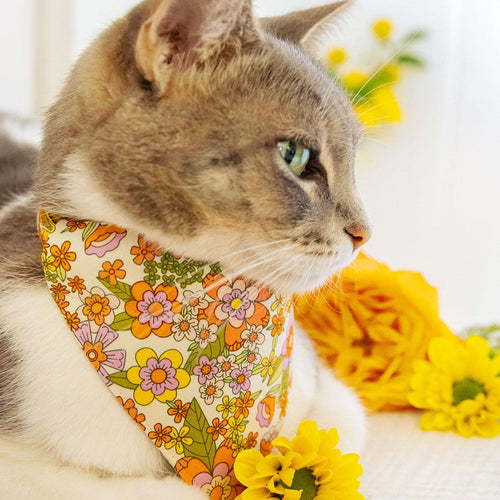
(183, 33)
(307, 27)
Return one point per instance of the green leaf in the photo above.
(120, 378)
(416, 36)
(203, 446)
(122, 323)
(122, 290)
(91, 227)
(411, 60)
(254, 396)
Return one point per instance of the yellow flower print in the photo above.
(227, 406)
(268, 364)
(235, 426)
(48, 263)
(179, 439)
(157, 377)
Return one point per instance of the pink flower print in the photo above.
(155, 309)
(236, 302)
(206, 370)
(241, 380)
(95, 349)
(158, 376)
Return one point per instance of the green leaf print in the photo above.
(203, 446)
(122, 290)
(278, 371)
(122, 323)
(61, 273)
(91, 227)
(120, 378)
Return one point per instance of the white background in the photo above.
(431, 184)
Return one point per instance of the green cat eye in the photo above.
(296, 156)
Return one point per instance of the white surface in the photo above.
(431, 186)
(401, 462)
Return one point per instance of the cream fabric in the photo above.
(402, 462)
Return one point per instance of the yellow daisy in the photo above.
(382, 29)
(309, 467)
(459, 387)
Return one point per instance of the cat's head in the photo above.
(218, 136)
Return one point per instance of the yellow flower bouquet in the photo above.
(372, 89)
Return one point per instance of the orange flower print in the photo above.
(252, 439)
(130, 408)
(145, 251)
(73, 225)
(243, 404)
(238, 304)
(77, 284)
(160, 435)
(104, 239)
(278, 322)
(60, 291)
(217, 428)
(97, 308)
(180, 411)
(63, 256)
(72, 320)
(194, 471)
(153, 310)
(112, 271)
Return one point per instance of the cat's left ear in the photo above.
(183, 33)
(306, 27)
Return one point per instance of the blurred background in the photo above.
(430, 182)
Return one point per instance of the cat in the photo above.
(172, 124)
(18, 148)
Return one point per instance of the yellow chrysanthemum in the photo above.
(370, 325)
(337, 56)
(382, 29)
(459, 387)
(309, 467)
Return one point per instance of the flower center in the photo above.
(251, 357)
(194, 302)
(204, 334)
(92, 355)
(158, 376)
(206, 369)
(304, 480)
(96, 308)
(185, 326)
(155, 309)
(210, 390)
(252, 337)
(468, 388)
(225, 366)
(111, 272)
(236, 304)
(241, 378)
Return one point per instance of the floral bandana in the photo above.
(200, 363)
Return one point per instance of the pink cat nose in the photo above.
(359, 235)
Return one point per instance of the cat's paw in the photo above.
(338, 406)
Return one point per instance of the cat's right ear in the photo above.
(184, 33)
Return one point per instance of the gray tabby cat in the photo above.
(219, 137)
(17, 157)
